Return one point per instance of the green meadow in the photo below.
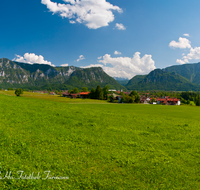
(97, 145)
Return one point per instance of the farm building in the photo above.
(74, 95)
(168, 101)
(84, 94)
(144, 99)
(65, 94)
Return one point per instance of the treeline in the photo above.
(132, 97)
(99, 93)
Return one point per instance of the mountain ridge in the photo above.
(177, 78)
(16, 74)
(35, 76)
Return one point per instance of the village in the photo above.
(116, 97)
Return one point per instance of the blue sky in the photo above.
(144, 34)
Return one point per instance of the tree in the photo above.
(92, 94)
(105, 92)
(56, 91)
(153, 100)
(98, 93)
(136, 95)
(123, 100)
(132, 99)
(75, 91)
(60, 93)
(198, 101)
(18, 92)
(84, 89)
(101, 95)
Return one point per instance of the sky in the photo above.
(124, 37)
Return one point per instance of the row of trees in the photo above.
(99, 93)
(133, 97)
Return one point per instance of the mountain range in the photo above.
(39, 76)
(178, 78)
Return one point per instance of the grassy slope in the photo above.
(104, 146)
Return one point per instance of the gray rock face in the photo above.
(22, 73)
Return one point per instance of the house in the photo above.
(112, 90)
(127, 93)
(144, 99)
(52, 93)
(117, 92)
(84, 94)
(114, 97)
(65, 94)
(168, 101)
(74, 95)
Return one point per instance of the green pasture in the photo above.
(55, 98)
(98, 145)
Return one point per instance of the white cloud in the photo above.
(81, 57)
(186, 35)
(64, 65)
(31, 58)
(126, 67)
(92, 65)
(180, 61)
(194, 54)
(99, 57)
(72, 22)
(93, 13)
(182, 43)
(117, 53)
(120, 26)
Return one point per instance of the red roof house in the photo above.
(168, 101)
(84, 94)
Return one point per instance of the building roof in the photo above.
(165, 100)
(84, 93)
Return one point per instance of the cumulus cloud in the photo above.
(99, 57)
(117, 53)
(120, 26)
(64, 65)
(92, 65)
(180, 61)
(194, 54)
(31, 58)
(186, 35)
(93, 13)
(182, 43)
(81, 57)
(126, 67)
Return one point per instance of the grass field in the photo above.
(98, 145)
(55, 98)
